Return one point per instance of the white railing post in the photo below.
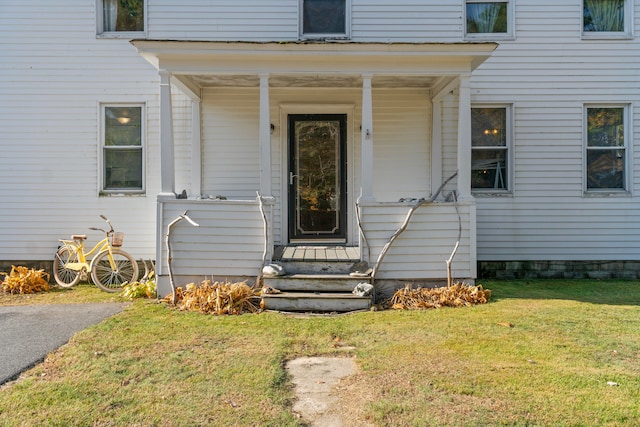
(167, 162)
(265, 138)
(464, 139)
(366, 173)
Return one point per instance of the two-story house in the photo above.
(310, 128)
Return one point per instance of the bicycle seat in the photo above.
(79, 237)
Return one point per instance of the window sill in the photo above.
(606, 36)
(606, 193)
(489, 37)
(324, 37)
(132, 193)
(485, 194)
(122, 35)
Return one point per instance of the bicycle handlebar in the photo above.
(100, 229)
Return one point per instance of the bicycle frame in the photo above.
(77, 246)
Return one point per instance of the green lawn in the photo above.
(540, 353)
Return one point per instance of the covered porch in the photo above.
(243, 96)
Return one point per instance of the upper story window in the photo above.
(606, 18)
(123, 148)
(489, 19)
(606, 146)
(119, 17)
(490, 141)
(324, 19)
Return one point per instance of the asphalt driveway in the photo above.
(29, 333)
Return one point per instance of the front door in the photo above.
(317, 177)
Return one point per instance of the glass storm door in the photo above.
(317, 179)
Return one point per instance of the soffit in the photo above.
(318, 64)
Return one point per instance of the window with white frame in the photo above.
(324, 18)
(123, 148)
(490, 135)
(488, 18)
(116, 17)
(606, 147)
(602, 18)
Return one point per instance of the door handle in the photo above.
(291, 177)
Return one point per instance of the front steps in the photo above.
(315, 286)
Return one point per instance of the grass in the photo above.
(151, 365)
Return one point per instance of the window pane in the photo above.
(488, 127)
(123, 126)
(605, 169)
(123, 168)
(324, 17)
(123, 15)
(489, 169)
(603, 15)
(487, 17)
(605, 127)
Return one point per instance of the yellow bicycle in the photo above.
(111, 268)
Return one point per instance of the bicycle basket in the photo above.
(117, 239)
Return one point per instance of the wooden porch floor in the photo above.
(316, 253)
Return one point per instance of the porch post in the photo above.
(366, 171)
(196, 149)
(265, 137)
(167, 163)
(464, 139)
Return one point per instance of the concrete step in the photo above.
(316, 302)
(316, 267)
(314, 282)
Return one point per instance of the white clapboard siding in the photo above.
(422, 249)
(401, 123)
(54, 74)
(228, 242)
(269, 20)
(231, 154)
(548, 73)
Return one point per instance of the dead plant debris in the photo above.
(22, 280)
(217, 298)
(456, 295)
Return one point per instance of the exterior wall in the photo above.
(547, 73)
(235, 249)
(54, 74)
(397, 21)
(409, 257)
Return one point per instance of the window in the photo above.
(606, 147)
(490, 132)
(120, 16)
(324, 18)
(122, 148)
(602, 18)
(488, 18)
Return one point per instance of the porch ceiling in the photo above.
(199, 64)
(309, 80)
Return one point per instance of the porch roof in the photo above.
(199, 64)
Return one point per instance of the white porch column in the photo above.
(436, 145)
(265, 137)
(366, 173)
(167, 162)
(464, 139)
(196, 149)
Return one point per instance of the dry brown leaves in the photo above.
(456, 295)
(217, 298)
(22, 280)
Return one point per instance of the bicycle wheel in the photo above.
(106, 278)
(65, 277)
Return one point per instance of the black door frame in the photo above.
(340, 235)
